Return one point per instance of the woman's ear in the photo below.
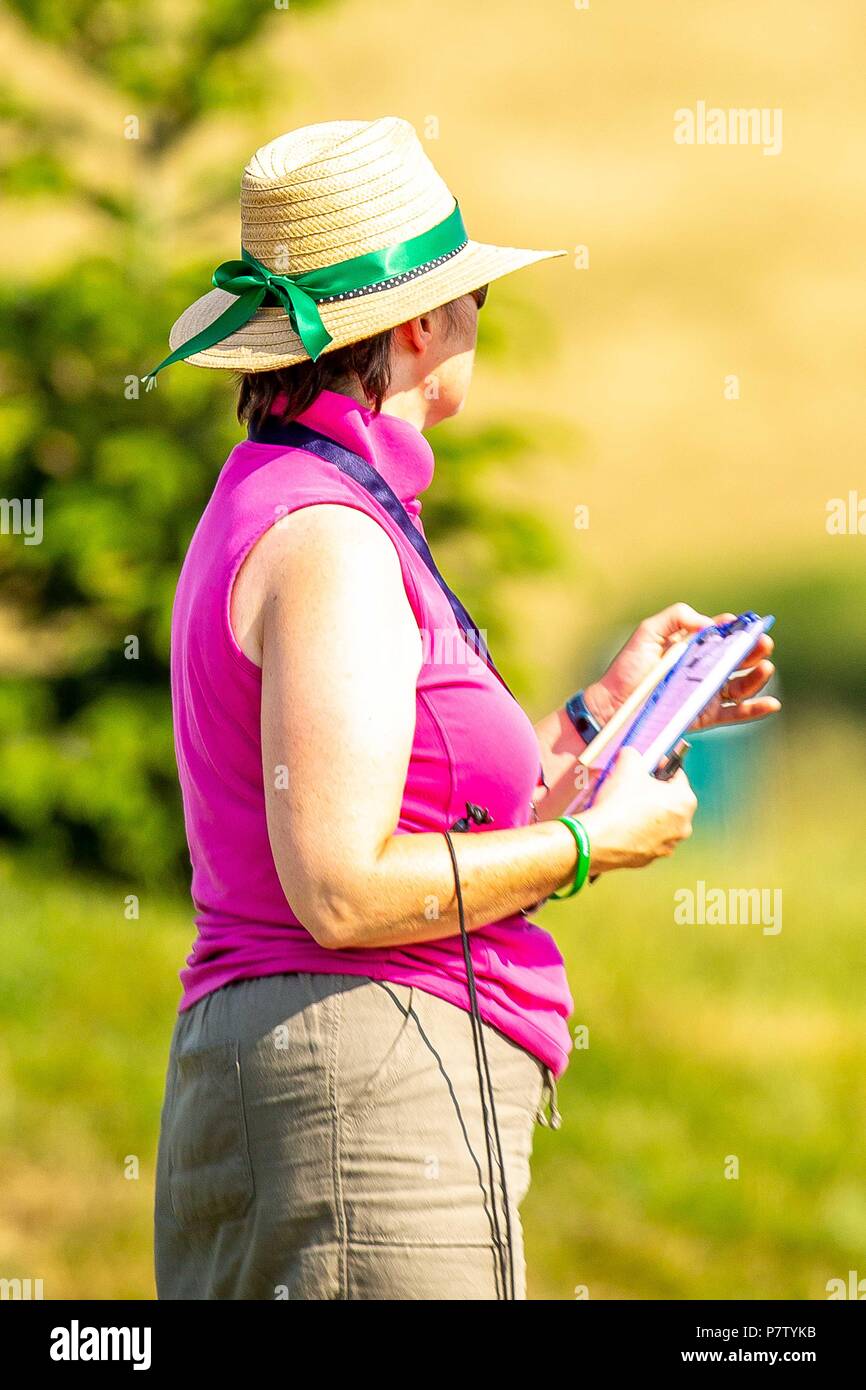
(416, 334)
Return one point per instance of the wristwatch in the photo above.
(579, 713)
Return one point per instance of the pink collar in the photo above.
(396, 449)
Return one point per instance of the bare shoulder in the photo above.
(330, 527)
(331, 549)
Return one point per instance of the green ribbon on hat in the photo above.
(255, 284)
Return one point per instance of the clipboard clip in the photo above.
(673, 762)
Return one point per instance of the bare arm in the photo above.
(561, 746)
(341, 653)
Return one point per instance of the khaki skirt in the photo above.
(322, 1138)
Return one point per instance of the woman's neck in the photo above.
(410, 405)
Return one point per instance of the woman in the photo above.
(335, 1126)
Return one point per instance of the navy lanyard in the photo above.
(297, 436)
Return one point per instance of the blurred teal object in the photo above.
(729, 771)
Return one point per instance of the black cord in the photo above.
(504, 1249)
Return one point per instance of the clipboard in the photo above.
(667, 702)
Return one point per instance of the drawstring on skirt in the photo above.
(547, 1106)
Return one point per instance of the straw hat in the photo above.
(360, 204)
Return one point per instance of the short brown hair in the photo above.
(369, 361)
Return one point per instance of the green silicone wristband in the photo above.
(581, 839)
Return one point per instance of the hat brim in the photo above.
(268, 339)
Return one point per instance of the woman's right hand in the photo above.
(636, 818)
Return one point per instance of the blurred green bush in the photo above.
(87, 771)
(86, 760)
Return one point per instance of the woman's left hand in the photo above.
(738, 701)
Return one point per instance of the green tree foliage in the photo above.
(87, 769)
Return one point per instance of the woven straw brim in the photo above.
(268, 339)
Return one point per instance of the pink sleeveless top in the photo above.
(473, 743)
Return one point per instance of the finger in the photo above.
(748, 710)
(749, 682)
(680, 781)
(734, 691)
(762, 648)
(628, 757)
(679, 617)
